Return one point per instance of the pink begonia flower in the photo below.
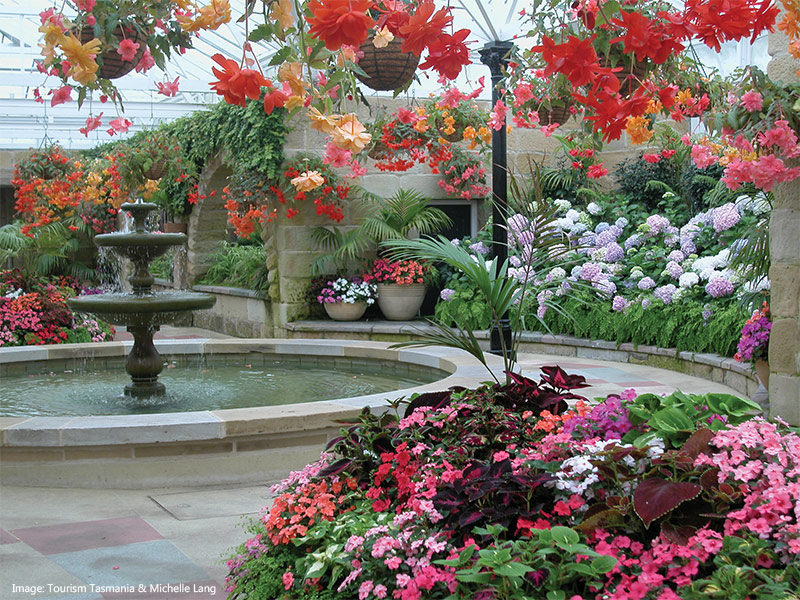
(752, 101)
(91, 20)
(169, 88)
(356, 170)
(702, 156)
(451, 98)
(477, 91)
(37, 96)
(651, 158)
(61, 95)
(782, 136)
(146, 63)
(119, 124)
(86, 5)
(522, 93)
(127, 49)
(336, 157)
(497, 118)
(288, 580)
(92, 123)
(548, 130)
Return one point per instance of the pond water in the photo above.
(208, 384)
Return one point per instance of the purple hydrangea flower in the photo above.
(446, 294)
(646, 302)
(674, 269)
(633, 241)
(479, 247)
(646, 283)
(676, 255)
(719, 287)
(606, 238)
(657, 224)
(605, 286)
(688, 247)
(725, 217)
(614, 253)
(619, 304)
(590, 270)
(665, 292)
(601, 227)
(622, 222)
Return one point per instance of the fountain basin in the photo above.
(129, 309)
(206, 447)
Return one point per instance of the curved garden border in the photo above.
(706, 366)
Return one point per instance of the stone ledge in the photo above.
(230, 291)
(699, 364)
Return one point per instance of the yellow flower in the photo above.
(382, 38)
(49, 53)
(282, 13)
(350, 134)
(638, 129)
(294, 102)
(485, 134)
(307, 181)
(80, 56)
(210, 17)
(469, 132)
(653, 106)
(320, 122)
(684, 96)
(292, 72)
(84, 76)
(53, 36)
(421, 125)
(149, 188)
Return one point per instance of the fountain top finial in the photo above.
(139, 210)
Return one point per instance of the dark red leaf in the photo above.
(558, 378)
(677, 535)
(698, 443)
(654, 498)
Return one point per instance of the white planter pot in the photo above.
(400, 302)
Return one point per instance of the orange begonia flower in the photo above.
(307, 181)
(350, 134)
(235, 84)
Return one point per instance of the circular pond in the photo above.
(195, 383)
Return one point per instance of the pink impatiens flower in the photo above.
(288, 580)
(61, 95)
(168, 88)
(92, 123)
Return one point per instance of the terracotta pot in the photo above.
(343, 311)
(111, 64)
(170, 227)
(762, 371)
(400, 302)
(157, 169)
(388, 68)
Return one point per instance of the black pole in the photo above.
(495, 56)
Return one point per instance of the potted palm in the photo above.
(401, 285)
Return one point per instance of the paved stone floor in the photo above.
(171, 544)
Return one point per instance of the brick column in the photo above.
(784, 347)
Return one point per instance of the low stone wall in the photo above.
(237, 312)
(707, 366)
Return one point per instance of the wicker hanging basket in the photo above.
(111, 64)
(630, 78)
(157, 169)
(388, 68)
(554, 114)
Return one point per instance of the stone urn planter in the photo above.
(345, 311)
(400, 302)
(762, 371)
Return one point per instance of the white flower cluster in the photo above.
(350, 292)
(14, 294)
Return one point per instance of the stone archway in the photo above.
(208, 221)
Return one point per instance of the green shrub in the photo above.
(242, 266)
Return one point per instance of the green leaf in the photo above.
(671, 420)
(262, 32)
(556, 595)
(603, 564)
(513, 569)
(471, 577)
(563, 536)
(610, 9)
(317, 569)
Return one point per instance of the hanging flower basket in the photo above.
(388, 68)
(554, 114)
(111, 64)
(157, 169)
(630, 78)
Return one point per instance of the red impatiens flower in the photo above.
(235, 84)
(424, 27)
(448, 54)
(340, 22)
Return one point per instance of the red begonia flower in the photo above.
(448, 54)
(424, 27)
(235, 84)
(340, 22)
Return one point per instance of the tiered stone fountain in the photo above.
(142, 310)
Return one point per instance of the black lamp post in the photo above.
(495, 56)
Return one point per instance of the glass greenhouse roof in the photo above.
(24, 122)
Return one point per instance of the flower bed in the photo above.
(650, 282)
(33, 311)
(505, 492)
